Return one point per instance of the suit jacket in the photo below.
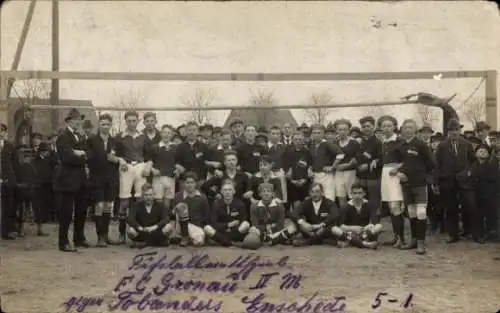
(7, 159)
(101, 170)
(328, 212)
(71, 175)
(451, 165)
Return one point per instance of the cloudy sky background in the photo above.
(260, 37)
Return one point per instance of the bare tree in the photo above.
(32, 90)
(427, 114)
(374, 111)
(198, 102)
(474, 110)
(125, 102)
(319, 115)
(262, 98)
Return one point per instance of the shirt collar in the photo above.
(271, 175)
(394, 137)
(351, 202)
(220, 147)
(133, 135)
(162, 144)
(272, 204)
(186, 195)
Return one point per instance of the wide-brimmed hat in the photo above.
(426, 128)
(454, 124)
(74, 114)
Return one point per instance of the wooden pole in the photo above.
(21, 42)
(224, 77)
(54, 90)
(490, 90)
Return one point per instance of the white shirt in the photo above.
(316, 206)
(149, 208)
(1, 144)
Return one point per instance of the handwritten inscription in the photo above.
(136, 289)
(242, 266)
(312, 304)
(405, 303)
(81, 303)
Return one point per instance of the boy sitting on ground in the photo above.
(314, 218)
(267, 217)
(148, 221)
(228, 218)
(360, 225)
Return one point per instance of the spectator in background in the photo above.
(482, 130)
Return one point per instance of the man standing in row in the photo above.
(70, 182)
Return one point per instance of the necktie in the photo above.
(455, 147)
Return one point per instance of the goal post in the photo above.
(490, 77)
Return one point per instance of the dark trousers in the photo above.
(453, 194)
(436, 211)
(372, 187)
(8, 210)
(485, 205)
(43, 203)
(72, 202)
(155, 238)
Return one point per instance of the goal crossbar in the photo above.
(155, 76)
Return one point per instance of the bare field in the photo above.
(36, 277)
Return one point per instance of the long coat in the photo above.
(71, 175)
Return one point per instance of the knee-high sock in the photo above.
(398, 225)
(184, 228)
(421, 226)
(106, 218)
(98, 225)
(122, 226)
(414, 228)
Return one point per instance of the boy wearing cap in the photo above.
(228, 218)
(237, 128)
(267, 217)
(485, 179)
(482, 130)
(425, 134)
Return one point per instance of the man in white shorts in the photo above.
(130, 151)
(345, 175)
(161, 160)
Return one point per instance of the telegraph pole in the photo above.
(54, 91)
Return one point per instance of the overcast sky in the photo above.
(260, 37)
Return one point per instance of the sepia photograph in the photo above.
(249, 156)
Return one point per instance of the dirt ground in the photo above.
(36, 277)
